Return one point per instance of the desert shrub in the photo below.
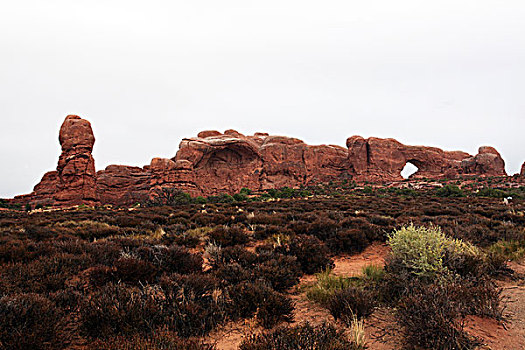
(221, 198)
(194, 303)
(266, 231)
(323, 228)
(476, 296)
(270, 307)
(46, 274)
(163, 340)
(430, 319)
(87, 229)
(169, 196)
(280, 271)
(382, 220)
(491, 192)
(15, 250)
(104, 252)
(373, 273)
(464, 259)
(134, 271)
(311, 253)
(100, 275)
(298, 227)
(267, 219)
(240, 197)
(66, 300)
(117, 309)
(233, 273)
(228, 236)
(28, 321)
(352, 301)
(192, 237)
(508, 250)
(428, 253)
(38, 233)
(449, 191)
(180, 260)
(173, 259)
(348, 241)
(301, 337)
(419, 249)
(326, 286)
(219, 256)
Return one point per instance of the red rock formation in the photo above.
(487, 161)
(123, 184)
(76, 166)
(220, 163)
(214, 163)
(74, 181)
(376, 159)
(522, 173)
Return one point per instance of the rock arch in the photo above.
(409, 169)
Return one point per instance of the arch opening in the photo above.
(408, 170)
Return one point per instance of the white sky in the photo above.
(447, 73)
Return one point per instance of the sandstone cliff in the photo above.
(215, 162)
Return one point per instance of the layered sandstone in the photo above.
(376, 159)
(74, 181)
(215, 162)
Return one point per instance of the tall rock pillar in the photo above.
(76, 176)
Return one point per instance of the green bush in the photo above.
(419, 249)
(428, 252)
(240, 197)
(326, 286)
(491, 192)
(245, 191)
(449, 191)
(373, 273)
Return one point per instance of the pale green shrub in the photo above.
(422, 251)
(419, 249)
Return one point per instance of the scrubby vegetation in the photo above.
(323, 337)
(166, 274)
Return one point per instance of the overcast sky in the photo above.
(447, 73)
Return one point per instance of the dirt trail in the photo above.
(230, 336)
(509, 335)
(380, 327)
(352, 265)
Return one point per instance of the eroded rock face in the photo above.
(522, 173)
(74, 181)
(488, 161)
(121, 184)
(76, 167)
(215, 162)
(376, 159)
(220, 163)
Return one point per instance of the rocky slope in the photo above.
(215, 162)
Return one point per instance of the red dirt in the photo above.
(381, 330)
(509, 334)
(352, 265)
